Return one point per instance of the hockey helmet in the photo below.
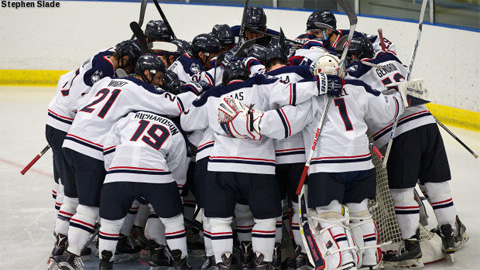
(224, 34)
(322, 19)
(257, 51)
(256, 19)
(205, 43)
(275, 52)
(130, 48)
(234, 70)
(151, 63)
(361, 47)
(327, 64)
(183, 46)
(157, 31)
(171, 83)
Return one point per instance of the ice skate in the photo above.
(179, 262)
(126, 250)
(70, 261)
(408, 256)
(209, 262)
(58, 250)
(106, 263)
(139, 239)
(260, 264)
(246, 255)
(277, 257)
(301, 260)
(461, 237)
(161, 257)
(225, 264)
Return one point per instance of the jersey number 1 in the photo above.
(342, 108)
(102, 94)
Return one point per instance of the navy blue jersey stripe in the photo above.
(283, 122)
(204, 147)
(266, 163)
(401, 123)
(60, 119)
(289, 153)
(342, 160)
(138, 172)
(84, 143)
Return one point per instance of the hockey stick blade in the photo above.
(142, 41)
(164, 18)
(143, 8)
(35, 159)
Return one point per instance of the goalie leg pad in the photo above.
(406, 210)
(442, 202)
(365, 233)
(334, 239)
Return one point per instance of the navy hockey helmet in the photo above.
(322, 19)
(183, 46)
(234, 70)
(256, 19)
(149, 62)
(205, 43)
(130, 48)
(276, 52)
(171, 83)
(361, 47)
(258, 51)
(157, 31)
(224, 34)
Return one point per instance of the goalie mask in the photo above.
(327, 64)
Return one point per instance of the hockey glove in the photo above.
(238, 120)
(331, 85)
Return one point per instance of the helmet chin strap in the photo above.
(145, 78)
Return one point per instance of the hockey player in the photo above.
(418, 153)
(289, 152)
(189, 66)
(255, 22)
(62, 110)
(341, 171)
(224, 34)
(245, 169)
(145, 155)
(107, 102)
(157, 30)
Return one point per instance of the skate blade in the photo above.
(124, 257)
(451, 257)
(413, 263)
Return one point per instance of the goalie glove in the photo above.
(238, 120)
(332, 85)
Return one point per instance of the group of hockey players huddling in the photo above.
(232, 125)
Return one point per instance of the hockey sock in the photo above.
(442, 203)
(207, 235)
(263, 237)
(221, 236)
(108, 235)
(67, 210)
(364, 233)
(278, 229)
(142, 215)
(297, 235)
(82, 225)
(130, 218)
(244, 220)
(406, 210)
(155, 230)
(175, 233)
(59, 196)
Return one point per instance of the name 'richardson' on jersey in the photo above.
(146, 116)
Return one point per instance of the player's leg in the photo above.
(219, 208)
(165, 200)
(325, 194)
(245, 223)
(115, 201)
(263, 195)
(360, 188)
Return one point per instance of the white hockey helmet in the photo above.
(327, 64)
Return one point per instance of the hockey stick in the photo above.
(382, 42)
(35, 159)
(142, 41)
(272, 35)
(164, 18)
(242, 25)
(456, 138)
(143, 8)
(352, 17)
(419, 35)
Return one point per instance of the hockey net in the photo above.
(384, 216)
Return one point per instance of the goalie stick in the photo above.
(143, 8)
(395, 123)
(142, 41)
(308, 239)
(35, 159)
(164, 18)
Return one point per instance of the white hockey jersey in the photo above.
(237, 155)
(144, 147)
(111, 99)
(290, 150)
(73, 85)
(392, 71)
(343, 144)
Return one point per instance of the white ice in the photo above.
(27, 207)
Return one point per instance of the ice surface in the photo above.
(27, 212)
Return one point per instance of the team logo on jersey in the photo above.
(195, 68)
(96, 76)
(353, 68)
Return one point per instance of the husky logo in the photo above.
(195, 68)
(96, 76)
